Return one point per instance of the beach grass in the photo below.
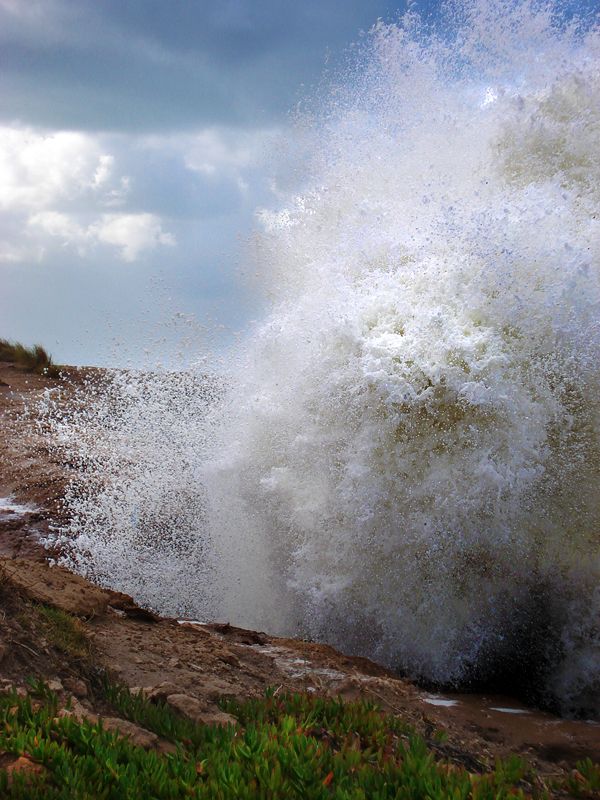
(31, 359)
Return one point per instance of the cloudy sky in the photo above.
(136, 141)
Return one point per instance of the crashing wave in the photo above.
(406, 460)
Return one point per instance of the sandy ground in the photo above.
(193, 665)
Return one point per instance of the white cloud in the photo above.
(103, 170)
(57, 186)
(42, 169)
(10, 253)
(216, 149)
(132, 234)
(220, 151)
(59, 225)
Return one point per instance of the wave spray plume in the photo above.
(406, 459)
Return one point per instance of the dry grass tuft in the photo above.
(30, 359)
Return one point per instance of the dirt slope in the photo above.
(192, 665)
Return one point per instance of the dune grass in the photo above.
(286, 746)
(30, 359)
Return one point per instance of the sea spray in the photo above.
(135, 505)
(404, 459)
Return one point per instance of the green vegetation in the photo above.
(30, 359)
(585, 780)
(64, 631)
(156, 717)
(287, 746)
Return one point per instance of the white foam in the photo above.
(444, 702)
(508, 710)
(8, 508)
(192, 622)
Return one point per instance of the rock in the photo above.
(138, 736)
(129, 609)
(217, 717)
(196, 627)
(117, 612)
(59, 588)
(23, 765)
(159, 693)
(79, 712)
(349, 689)
(198, 711)
(55, 685)
(187, 706)
(214, 688)
(165, 746)
(238, 635)
(228, 658)
(76, 686)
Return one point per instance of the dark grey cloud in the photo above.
(153, 65)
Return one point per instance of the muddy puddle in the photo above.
(503, 719)
(22, 528)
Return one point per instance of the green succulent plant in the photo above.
(283, 746)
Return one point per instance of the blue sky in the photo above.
(135, 145)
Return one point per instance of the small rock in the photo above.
(79, 711)
(58, 587)
(349, 689)
(76, 686)
(138, 736)
(197, 627)
(159, 693)
(165, 746)
(23, 764)
(135, 612)
(55, 685)
(239, 635)
(117, 612)
(216, 717)
(214, 688)
(173, 662)
(188, 706)
(230, 659)
(198, 711)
